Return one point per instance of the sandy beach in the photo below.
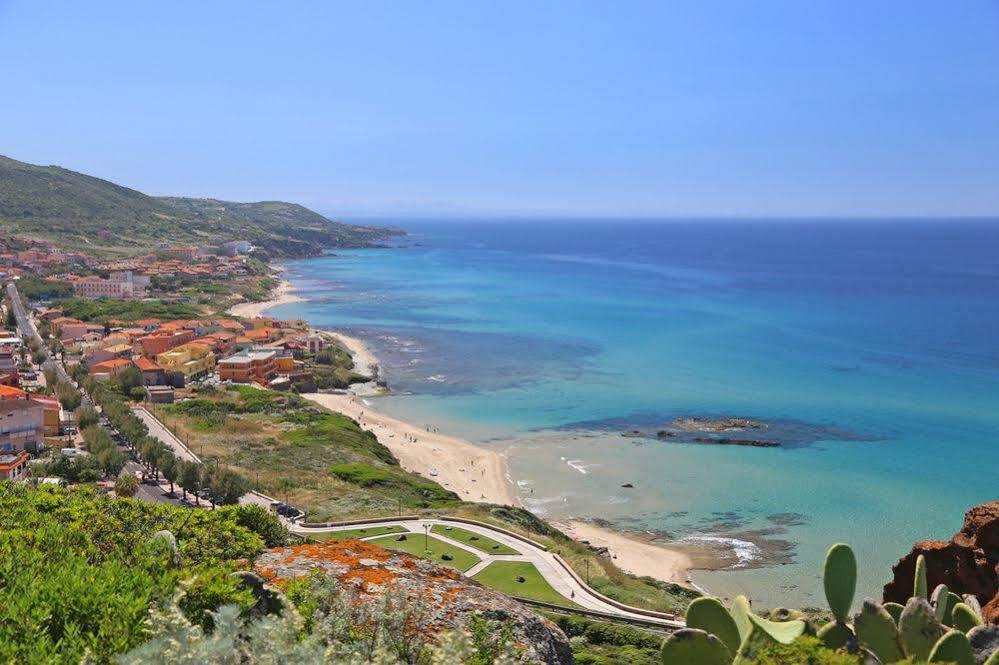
(282, 295)
(632, 555)
(474, 473)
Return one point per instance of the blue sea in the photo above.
(868, 348)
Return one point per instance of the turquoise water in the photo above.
(871, 350)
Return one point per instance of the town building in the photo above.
(123, 285)
(251, 365)
(152, 373)
(110, 369)
(51, 414)
(14, 465)
(191, 360)
(22, 426)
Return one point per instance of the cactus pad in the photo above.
(709, 615)
(919, 587)
(840, 580)
(965, 618)
(690, 646)
(918, 629)
(953, 647)
(835, 634)
(876, 630)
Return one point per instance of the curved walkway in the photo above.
(565, 583)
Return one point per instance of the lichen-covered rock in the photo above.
(968, 563)
(447, 599)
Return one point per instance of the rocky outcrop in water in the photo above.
(446, 600)
(967, 563)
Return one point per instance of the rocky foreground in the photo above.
(967, 563)
(446, 600)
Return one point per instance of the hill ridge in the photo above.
(92, 214)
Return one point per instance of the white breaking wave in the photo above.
(578, 465)
(745, 551)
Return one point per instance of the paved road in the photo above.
(28, 330)
(544, 561)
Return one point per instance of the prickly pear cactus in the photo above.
(690, 646)
(919, 583)
(919, 629)
(953, 647)
(877, 631)
(709, 615)
(840, 580)
(964, 618)
(895, 610)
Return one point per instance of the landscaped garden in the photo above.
(520, 578)
(428, 547)
(472, 539)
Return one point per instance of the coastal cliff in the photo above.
(968, 563)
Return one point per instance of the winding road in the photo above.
(555, 571)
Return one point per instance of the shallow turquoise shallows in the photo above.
(871, 349)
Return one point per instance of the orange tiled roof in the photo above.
(10, 392)
(147, 365)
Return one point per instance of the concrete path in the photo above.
(559, 578)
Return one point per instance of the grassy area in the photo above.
(479, 542)
(429, 548)
(100, 311)
(299, 452)
(360, 532)
(506, 576)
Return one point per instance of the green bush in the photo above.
(804, 651)
(210, 591)
(362, 475)
(79, 572)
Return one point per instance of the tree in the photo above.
(69, 397)
(86, 417)
(129, 378)
(112, 460)
(126, 485)
(170, 467)
(189, 479)
(225, 487)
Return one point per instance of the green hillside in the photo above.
(100, 217)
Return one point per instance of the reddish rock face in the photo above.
(967, 563)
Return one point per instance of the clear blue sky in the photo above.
(752, 107)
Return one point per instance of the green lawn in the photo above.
(502, 576)
(472, 539)
(414, 544)
(362, 532)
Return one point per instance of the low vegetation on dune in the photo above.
(300, 452)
